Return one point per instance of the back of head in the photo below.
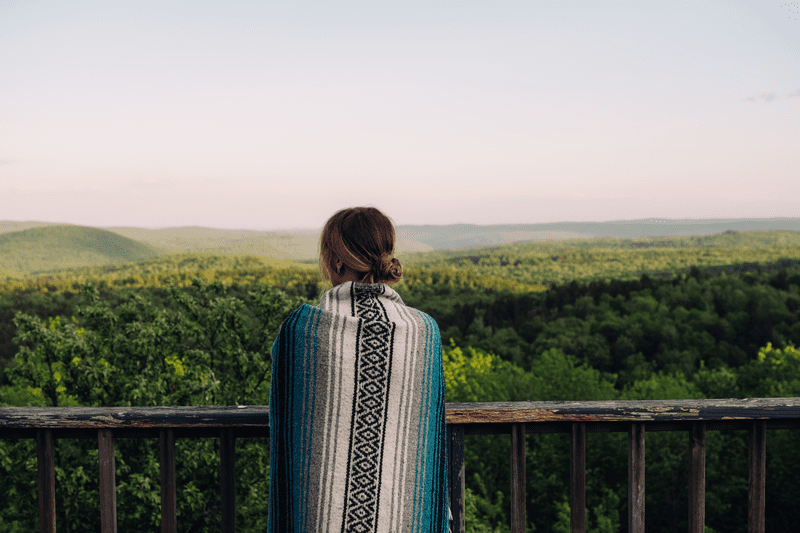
(361, 239)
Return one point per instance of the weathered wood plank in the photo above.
(697, 478)
(47, 481)
(636, 478)
(628, 411)
(756, 496)
(256, 417)
(108, 484)
(622, 426)
(455, 454)
(227, 479)
(518, 479)
(469, 429)
(577, 474)
(250, 416)
(169, 516)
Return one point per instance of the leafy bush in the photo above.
(204, 348)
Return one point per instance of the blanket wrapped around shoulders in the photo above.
(357, 417)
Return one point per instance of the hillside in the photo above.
(301, 246)
(463, 236)
(726, 239)
(608, 258)
(48, 248)
(7, 226)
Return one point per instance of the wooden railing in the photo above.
(695, 417)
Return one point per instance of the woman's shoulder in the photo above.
(421, 314)
(424, 318)
(300, 314)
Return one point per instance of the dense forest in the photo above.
(197, 330)
(558, 262)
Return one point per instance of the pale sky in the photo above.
(273, 115)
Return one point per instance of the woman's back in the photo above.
(358, 440)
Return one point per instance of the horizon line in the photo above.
(317, 229)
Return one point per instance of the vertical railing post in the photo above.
(166, 445)
(758, 465)
(577, 475)
(697, 478)
(636, 478)
(518, 482)
(47, 481)
(108, 485)
(455, 454)
(227, 479)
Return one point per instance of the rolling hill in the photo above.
(463, 236)
(32, 246)
(47, 248)
(7, 226)
(302, 245)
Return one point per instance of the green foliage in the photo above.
(558, 376)
(52, 356)
(472, 375)
(477, 508)
(55, 293)
(480, 377)
(468, 378)
(19, 490)
(775, 373)
(629, 329)
(196, 329)
(661, 386)
(557, 262)
(204, 347)
(178, 269)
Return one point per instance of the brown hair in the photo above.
(362, 239)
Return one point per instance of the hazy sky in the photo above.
(268, 115)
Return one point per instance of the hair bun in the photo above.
(388, 268)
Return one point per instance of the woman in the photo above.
(357, 397)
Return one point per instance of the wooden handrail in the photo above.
(516, 418)
(256, 417)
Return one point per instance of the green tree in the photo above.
(204, 347)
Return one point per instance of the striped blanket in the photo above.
(357, 417)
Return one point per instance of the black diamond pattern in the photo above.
(371, 395)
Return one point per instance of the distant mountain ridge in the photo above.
(300, 244)
(39, 246)
(462, 236)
